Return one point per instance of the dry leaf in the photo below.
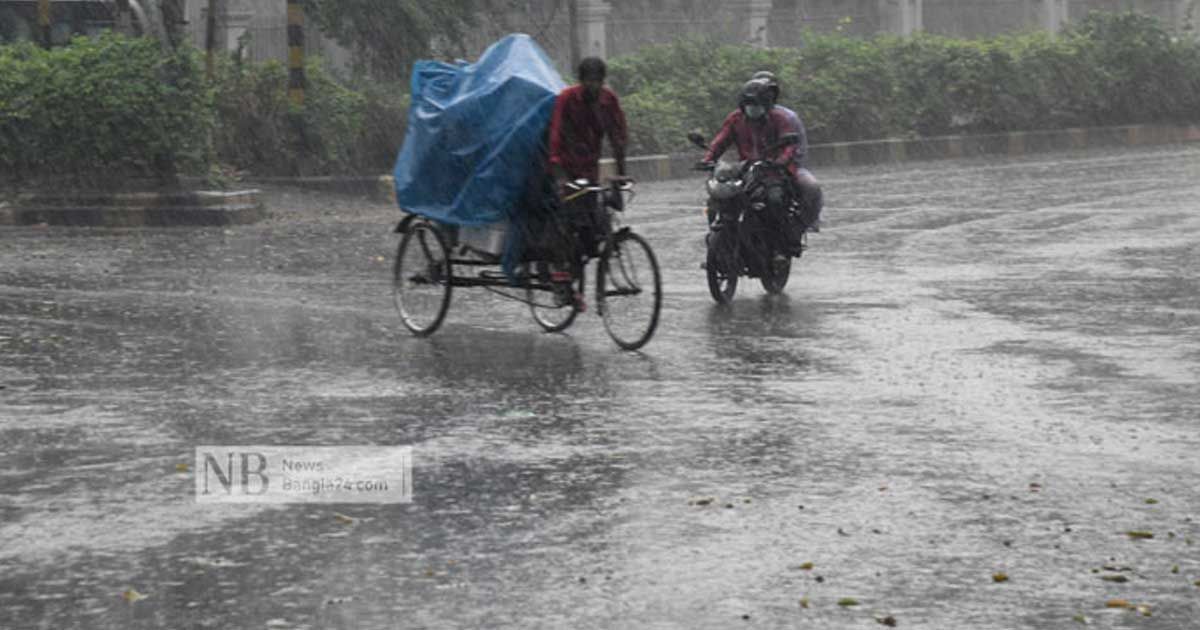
(999, 577)
(847, 601)
(181, 468)
(1144, 609)
(1114, 578)
(1139, 535)
(343, 519)
(807, 566)
(1117, 603)
(130, 595)
(804, 602)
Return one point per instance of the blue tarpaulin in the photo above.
(475, 133)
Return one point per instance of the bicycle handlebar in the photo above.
(622, 184)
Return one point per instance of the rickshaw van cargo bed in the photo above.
(489, 238)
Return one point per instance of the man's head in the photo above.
(772, 83)
(591, 73)
(754, 99)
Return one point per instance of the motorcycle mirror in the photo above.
(697, 140)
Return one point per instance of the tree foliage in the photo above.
(389, 35)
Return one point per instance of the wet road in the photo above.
(980, 367)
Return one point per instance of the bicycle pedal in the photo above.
(560, 276)
(580, 303)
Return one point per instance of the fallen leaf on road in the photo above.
(704, 501)
(130, 595)
(1139, 535)
(1144, 609)
(847, 601)
(999, 577)
(1114, 578)
(804, 602)
(807, 566)
(343, 519)
(1079, 619)
(1175, 568)
(888, 621)
(1151, 501)
(181, 467)
(1117, 603)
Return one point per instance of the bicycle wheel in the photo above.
(721, 284)
(629, 290)
(421, 279)
(552, 318)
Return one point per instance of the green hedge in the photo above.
(1108, 69)
(104, 110)
(100, 110)
(108, 108)
(346, 130)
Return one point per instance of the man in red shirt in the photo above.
(583, 115)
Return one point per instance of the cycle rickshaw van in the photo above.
(482, 210)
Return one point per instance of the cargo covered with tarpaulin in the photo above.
(475, 144)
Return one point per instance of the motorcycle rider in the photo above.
(810, 194)
(753, 128)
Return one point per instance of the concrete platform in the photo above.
(133, 209)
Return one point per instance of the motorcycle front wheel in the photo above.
(721, 284)
(777, 277)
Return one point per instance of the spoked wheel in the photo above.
(421, 279)
(629, 290)
(777, 277)
(552, 318)
(721, 284)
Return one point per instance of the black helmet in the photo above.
(755, 92)
(772, 82)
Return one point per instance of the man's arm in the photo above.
(802, 147)
(787, 123)
(722, 141)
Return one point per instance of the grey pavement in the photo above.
(980, 367)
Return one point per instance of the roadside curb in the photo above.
(868, 152)
(376, 188)
(152, 209)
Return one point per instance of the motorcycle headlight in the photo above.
(726, 172)
(723, 190)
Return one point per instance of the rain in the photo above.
(969, 401)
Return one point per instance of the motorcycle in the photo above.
(753, 226)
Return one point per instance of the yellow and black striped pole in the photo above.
(295, 32)
(44, 21)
